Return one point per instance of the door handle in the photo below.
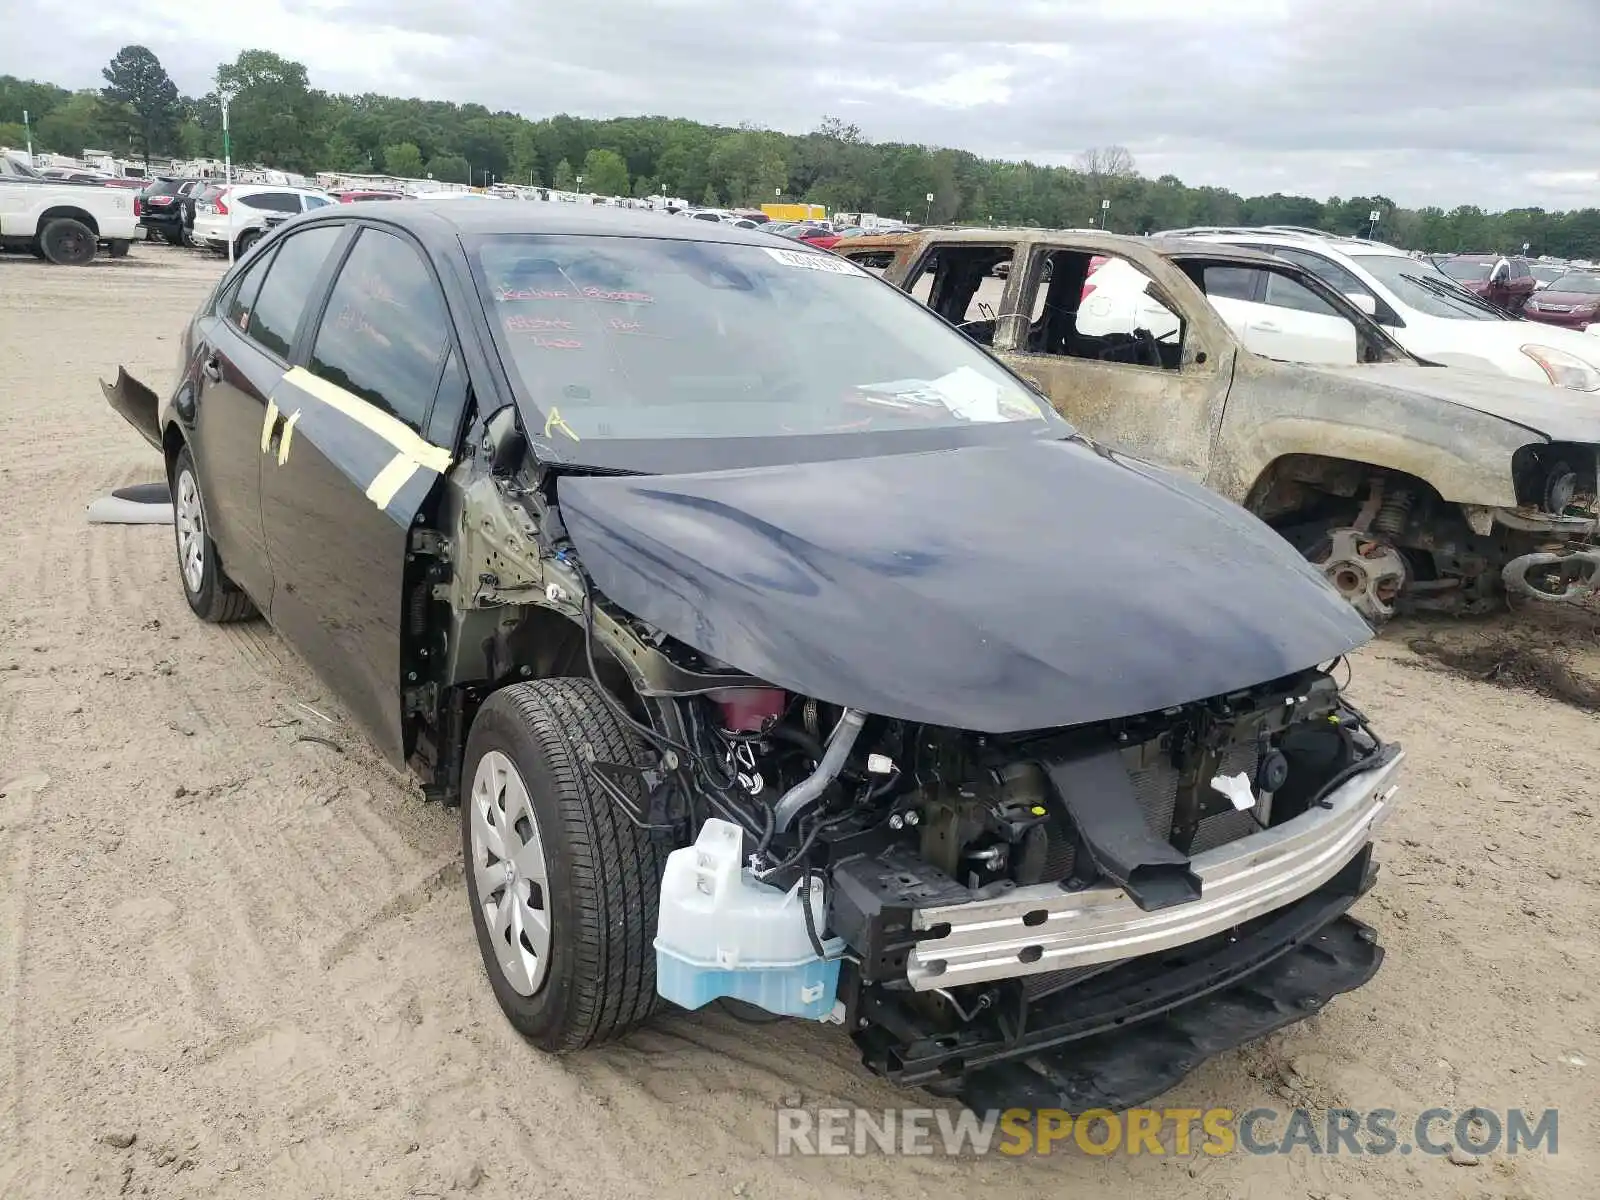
(1266, 326)
(212, 369)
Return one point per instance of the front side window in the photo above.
(1466, 270)
(287, 287)
(383, 332)
(963, 284)
(635, 340)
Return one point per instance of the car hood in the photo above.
(1560, 414)
(1571, 299)
(994, 588)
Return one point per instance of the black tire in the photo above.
(68, 242)
(246, 239)
(604, 872)
(118, 247)
(172, 237)
(217, 599)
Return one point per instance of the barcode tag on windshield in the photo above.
(809, 261)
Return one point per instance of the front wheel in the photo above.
(564, 888)
(211, 594)
(1365, 570)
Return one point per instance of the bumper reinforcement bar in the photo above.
(1044, 928)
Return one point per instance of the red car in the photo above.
(1572, 301)
(1472, 271)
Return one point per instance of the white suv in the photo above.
(1425, 310)
(241, 213)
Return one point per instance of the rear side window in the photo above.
(314, 201)
(286, 202)
(384, 331)
(1286, 292)
(1234, 283)
(288, 286)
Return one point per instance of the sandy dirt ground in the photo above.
(250, 951)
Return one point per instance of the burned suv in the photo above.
(853, 685)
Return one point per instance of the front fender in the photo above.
(1277, 409)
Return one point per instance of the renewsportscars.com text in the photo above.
(1166, 1131)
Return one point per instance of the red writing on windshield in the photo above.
(617, 325)
(556, 343)
(510, 293)
(517, 324)
(598, 293)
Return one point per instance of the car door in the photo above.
(1275, 316)
(348, 467)
(242, 350)
(1149, 377)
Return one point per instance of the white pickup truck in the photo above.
(64, 223)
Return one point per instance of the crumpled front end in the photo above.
(971, 906)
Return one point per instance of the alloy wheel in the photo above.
(510, 873)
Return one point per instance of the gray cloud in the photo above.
(1472, 102)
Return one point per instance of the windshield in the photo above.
(623, 343)
(1547, 274)
(1584, 283)
(1466, 270)
(15, 166)
(1428, 290)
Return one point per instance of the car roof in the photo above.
(1289, 236)
(434, 219)
(1095, 241)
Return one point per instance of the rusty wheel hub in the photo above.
(1365, 571)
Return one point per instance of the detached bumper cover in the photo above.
(1042, 928)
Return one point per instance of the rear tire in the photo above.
(211, 594)
(246, 239)
(67, 242)
(172, 238)
(593, 898)
(118, 247)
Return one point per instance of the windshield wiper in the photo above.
(1454, 291)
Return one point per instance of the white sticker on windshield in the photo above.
(812, 261)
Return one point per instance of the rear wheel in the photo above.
(211, 594)
(67, 242)
(564, 888)
(118, 247)
(246, 239)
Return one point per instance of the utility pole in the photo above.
(227, 158)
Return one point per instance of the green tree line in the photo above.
(278, 119)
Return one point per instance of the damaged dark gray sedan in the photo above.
(781, 647)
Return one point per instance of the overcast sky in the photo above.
(1490, 102)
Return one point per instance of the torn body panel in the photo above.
(136, 404)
